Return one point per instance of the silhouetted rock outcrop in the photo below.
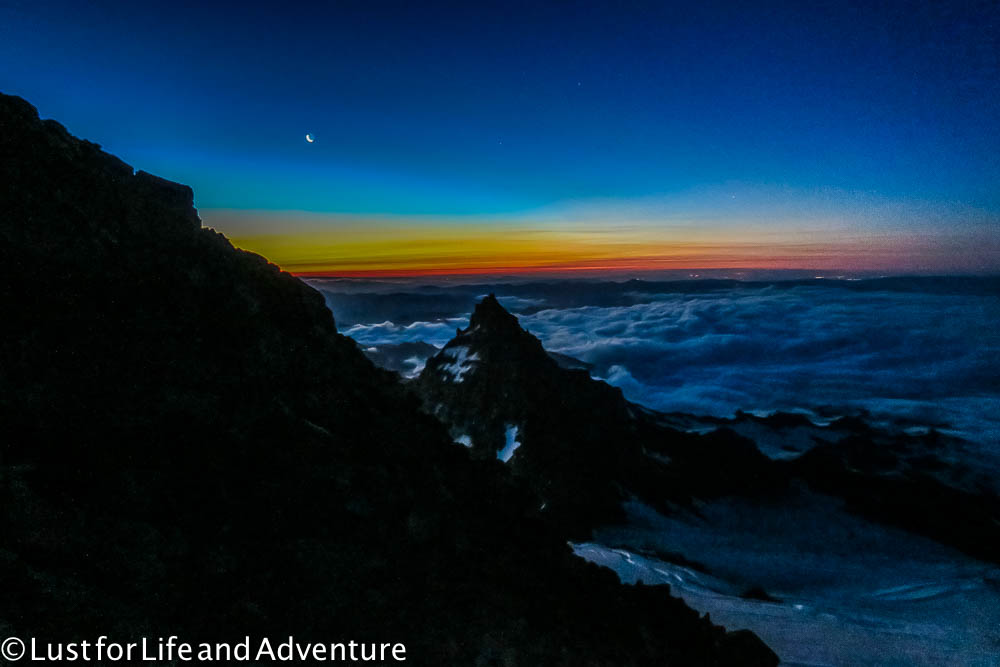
(191, 448)
(584, 449)
(576, 441)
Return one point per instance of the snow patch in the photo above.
(511, 446)
(461, 362)
(418, 365)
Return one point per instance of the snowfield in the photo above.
(850, 592)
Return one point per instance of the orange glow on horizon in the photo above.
(619, 265)
(355, 247)
(664, 258)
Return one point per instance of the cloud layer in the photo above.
(932, 358)
(925, 351)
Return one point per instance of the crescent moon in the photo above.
(309, 138)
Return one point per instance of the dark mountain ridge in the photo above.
(585, 449)
(191, 448)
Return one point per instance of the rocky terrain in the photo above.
(585, 450)
(190, 447)
(839, 541)
(407, 359)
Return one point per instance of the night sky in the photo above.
(546, 136)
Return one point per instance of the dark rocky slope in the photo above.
(191, 448)
(584, 449)
(406, 358)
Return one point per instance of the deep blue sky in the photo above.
(465, 108)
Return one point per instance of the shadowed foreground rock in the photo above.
(191, 448)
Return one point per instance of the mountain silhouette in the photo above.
(580, 444)
(191, 448)
(584, 449)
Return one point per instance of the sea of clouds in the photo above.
(914, 352)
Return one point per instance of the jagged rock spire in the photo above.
(491, 316)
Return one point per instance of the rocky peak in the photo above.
(493, 351)
(490, 316)
(497, 336)
(501, 395)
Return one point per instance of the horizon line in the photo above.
(694, 272)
